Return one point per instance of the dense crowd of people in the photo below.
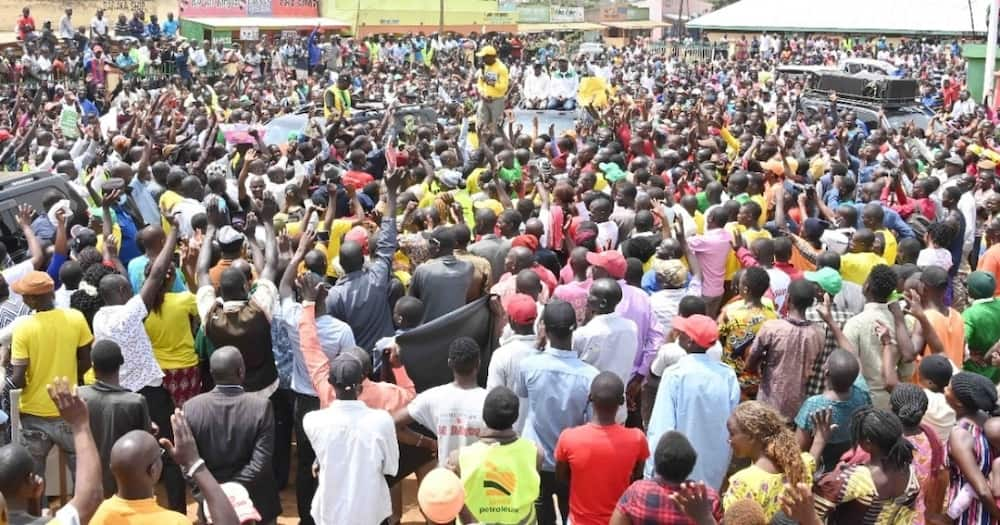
(709, 305)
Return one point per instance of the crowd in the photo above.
(709, 305)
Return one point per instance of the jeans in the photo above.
(38, 434)
(161, 407)
(543, 506)
(284, 422)
(568, 104)
(305, 484)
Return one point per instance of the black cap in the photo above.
(346, 372)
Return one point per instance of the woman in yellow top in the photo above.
(758, 432)
(170, 326)
(739, 323)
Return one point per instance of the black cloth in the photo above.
(424, 349)
(234, 431)
(305, 456)
(114, 412)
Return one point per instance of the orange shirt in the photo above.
(990, 263)
(385, 396)
(951, 330)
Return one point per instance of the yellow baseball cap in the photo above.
(487, 51)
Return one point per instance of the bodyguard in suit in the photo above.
(234, 431)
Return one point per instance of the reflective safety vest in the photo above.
(341, 102)
(501, 481)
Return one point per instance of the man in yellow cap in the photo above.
(492, 82)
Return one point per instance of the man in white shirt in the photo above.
(536, 88)
(522, 311)
(66, 25)
(454, 412)
(355, 448)
(562, 90)
(608, 341)
(199, 56)
(99, 25)
(964, 106)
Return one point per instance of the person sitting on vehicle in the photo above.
(562, 89)
(536, 87)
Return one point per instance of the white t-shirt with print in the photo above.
(454, 414)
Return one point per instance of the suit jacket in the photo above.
(234, 431)
(114, 412)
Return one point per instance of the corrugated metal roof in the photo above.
(896, 17)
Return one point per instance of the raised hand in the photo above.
(71, 408)
(183, 449)
(693, 500)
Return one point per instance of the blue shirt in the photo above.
(137, 275)
(556, 384)
(127, 248)
(170, 27)
(892, 220)
(842, 412)
(696, 396)
(144, 200)
(335, 336)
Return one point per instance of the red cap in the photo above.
(528, 241)
(700, 328)
(612, 261)
(521, 309)
(5, 135)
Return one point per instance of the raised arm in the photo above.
(184, 450)
(151, 286)
(24, 213)
(285, 289)
(89, 491)
(267, 212)
(315, 360)
(215, 221)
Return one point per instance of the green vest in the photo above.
(501, 481)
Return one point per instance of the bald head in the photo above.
(519, 258)
(227, 366)
(605, 294)
(528, 283)
(352, 256)
(136, 462)
(152, 239)
(114, 289)
(315, 262)
(607, 391)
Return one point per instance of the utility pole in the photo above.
(991, 51)
(441, 18)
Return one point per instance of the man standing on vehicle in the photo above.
(492, 81)
(337, 98)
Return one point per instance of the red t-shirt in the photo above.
(357, 179)
(601, 461)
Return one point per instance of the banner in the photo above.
(281, 8)
(565, 14)
(249, 33)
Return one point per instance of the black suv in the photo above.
(30, 188)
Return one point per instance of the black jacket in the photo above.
(234, 431)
